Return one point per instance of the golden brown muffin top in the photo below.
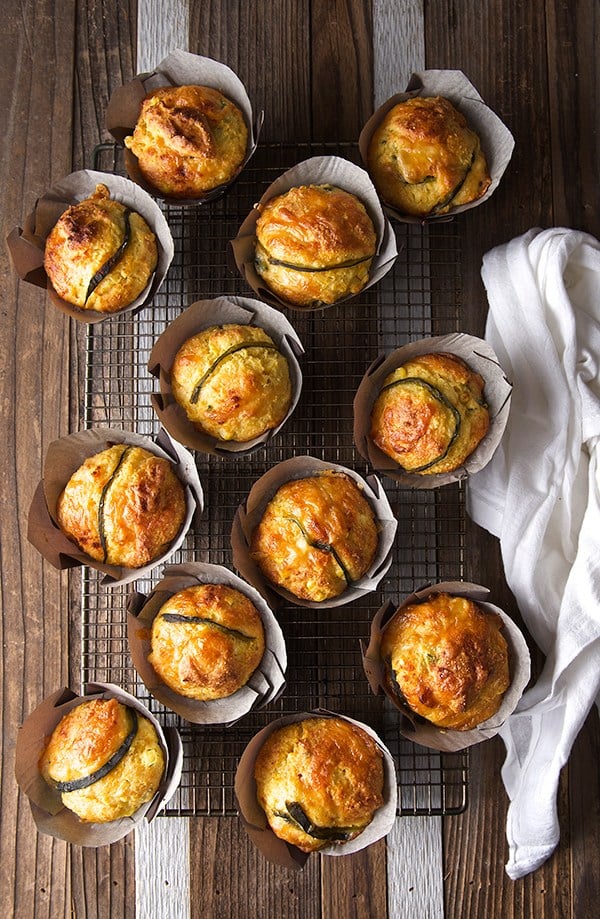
(232, 381)
(207, 641)
(123, 506)
(424, 158)
(430, 414)
(319, 781)
(316, 227)
(446, 657)
(104, 759)
(100, 254)
(317, 536)
(188, 140)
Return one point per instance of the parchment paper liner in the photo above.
(253, 817)
(264, 686)
(179, 68)
(416, 728)
(497, 141)
(63, 458)
(49, 813)
(248, 516)
(317, 170)
(202, 315)
(478, 354)
(26, 246)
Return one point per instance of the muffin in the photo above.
(100, 255)
(319, 781)
(430, 414)
(424, 159)
(105, 759)
(188, 140)
(232, 382)
(123, 506)
(318, 535)
(207, 641)
(314, 244)
(446, 659)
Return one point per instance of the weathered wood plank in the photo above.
(36, 87)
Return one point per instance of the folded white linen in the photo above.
(540, 494)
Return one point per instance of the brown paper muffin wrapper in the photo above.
(26, 246)
(248, 516)
(413, 726)
(497, 141)
(480, 357)
(318, 170)
(202, 315)
(63, 458)
(50, 815)
(253, 817)
(179, 68)
(265, 684)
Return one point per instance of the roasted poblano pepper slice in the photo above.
(440, 397)
(196, 620)
(110, 263)
(242, 346)
(324, 547)
(295, 813)
(349, 264)
(87, 780)
(101, 503)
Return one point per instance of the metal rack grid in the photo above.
(421, 296)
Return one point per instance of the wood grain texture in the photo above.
(36, 89)
(530, 82)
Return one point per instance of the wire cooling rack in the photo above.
(420, 297)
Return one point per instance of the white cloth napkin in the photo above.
(540, 495)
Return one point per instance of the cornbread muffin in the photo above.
(447, 659)
(317, 536)
(314, 244)
(188, 140)
(123, 506)
(319, 781)
(424, 159)
(232, 382)
(100, 255)
(430, 414)
(207, 641)
(105, 759)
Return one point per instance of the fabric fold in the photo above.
(540, 495)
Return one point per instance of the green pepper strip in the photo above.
(110, 263)
(349, 264)
(440, 398)
(322, 546)
(296, 814)
(101, 529)
(241, 347)
(449, 198)
(109, 765)
(179, 617)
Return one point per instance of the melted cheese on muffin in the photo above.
(424, 159)
(100, 255)
(188, 140)
(447, 658)
(123, 506)
(105, 759)
(317, 536)
(314, 245)
(319, 781)
(207, 641)
(430, 414)
(232, 382)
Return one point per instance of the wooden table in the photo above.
(317, 67)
